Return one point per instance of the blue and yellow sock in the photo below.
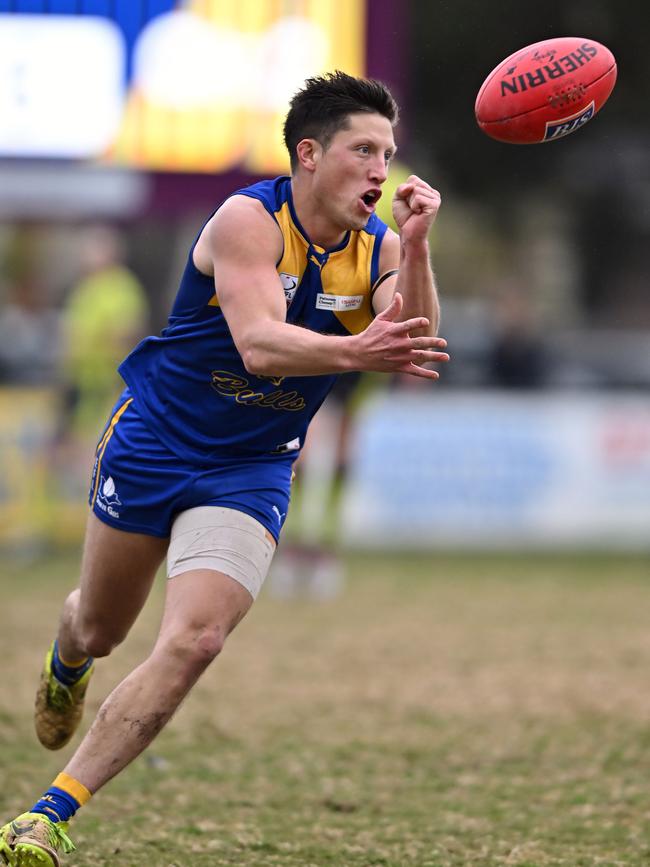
(66, 672)
(62, 799)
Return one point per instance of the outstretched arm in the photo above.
(415, 206)
(240, 246)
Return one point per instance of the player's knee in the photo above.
(194, 649)
(209, 644)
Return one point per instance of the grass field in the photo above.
(442, 712)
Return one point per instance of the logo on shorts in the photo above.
(292, 446)
(107, 497)
(281, 515)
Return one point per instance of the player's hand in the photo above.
(386, 345)
(415, 206)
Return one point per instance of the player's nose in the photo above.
(379, 170)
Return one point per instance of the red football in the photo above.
(546, 90)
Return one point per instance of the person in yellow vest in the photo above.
(105, 312)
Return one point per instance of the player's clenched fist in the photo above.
(415, 205)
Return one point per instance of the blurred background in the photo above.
(124, 123)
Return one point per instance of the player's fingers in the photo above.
(423, 372)
(425, 355)
(418, 356)
(419, 185)
(403, 191)
(416, 181)
(411, 325)
(422, 203)
(428, 343)
(423, 187)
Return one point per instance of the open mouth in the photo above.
(370, 198)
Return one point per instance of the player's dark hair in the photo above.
(323, 106)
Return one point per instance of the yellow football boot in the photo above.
(33, 840)
(59, 708)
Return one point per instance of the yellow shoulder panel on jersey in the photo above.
(348, 273)
(293, 259)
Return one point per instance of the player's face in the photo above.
(352, 169)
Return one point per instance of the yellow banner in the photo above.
(212, 80)
(42, 498)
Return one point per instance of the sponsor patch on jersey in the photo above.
(338, 302)
(289, 284)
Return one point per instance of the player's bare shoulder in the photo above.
(241, 227)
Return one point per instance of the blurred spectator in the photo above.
(29, 325)
(517, 358)
(105, 314)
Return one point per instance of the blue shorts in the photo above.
(140, 486)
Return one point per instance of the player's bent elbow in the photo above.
(253, 360)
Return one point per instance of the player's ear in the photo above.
(309, 152)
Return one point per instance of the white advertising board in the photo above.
(500, 470)
(61, 85)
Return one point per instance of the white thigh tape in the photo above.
(228, 541)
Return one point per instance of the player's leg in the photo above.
(208, 544)
(132, 498)
(202, 608)
(203, 605)
(117, 571)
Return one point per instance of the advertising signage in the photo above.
(194, 86)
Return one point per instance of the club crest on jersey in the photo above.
(289, 284)
(559, 128)
(338, 302)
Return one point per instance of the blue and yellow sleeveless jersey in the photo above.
(190, 384)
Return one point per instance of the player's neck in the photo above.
(320, 229)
